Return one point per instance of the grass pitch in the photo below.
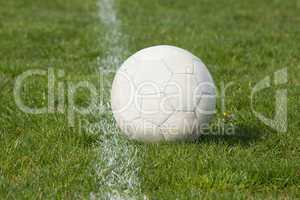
(240, 42)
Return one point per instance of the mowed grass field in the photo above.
(41, 157)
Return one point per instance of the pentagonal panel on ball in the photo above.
(179, 125)
(151, 74)
(179, 62)
(182, 92)
(155, 108)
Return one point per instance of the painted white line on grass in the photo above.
(117, 165)
(115, 41)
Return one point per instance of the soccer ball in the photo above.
(163, 93)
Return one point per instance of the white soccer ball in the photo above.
(163, 93)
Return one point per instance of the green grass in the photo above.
(241, 42)
(41, 157)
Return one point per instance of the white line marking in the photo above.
(117, 169)
(114, 40)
